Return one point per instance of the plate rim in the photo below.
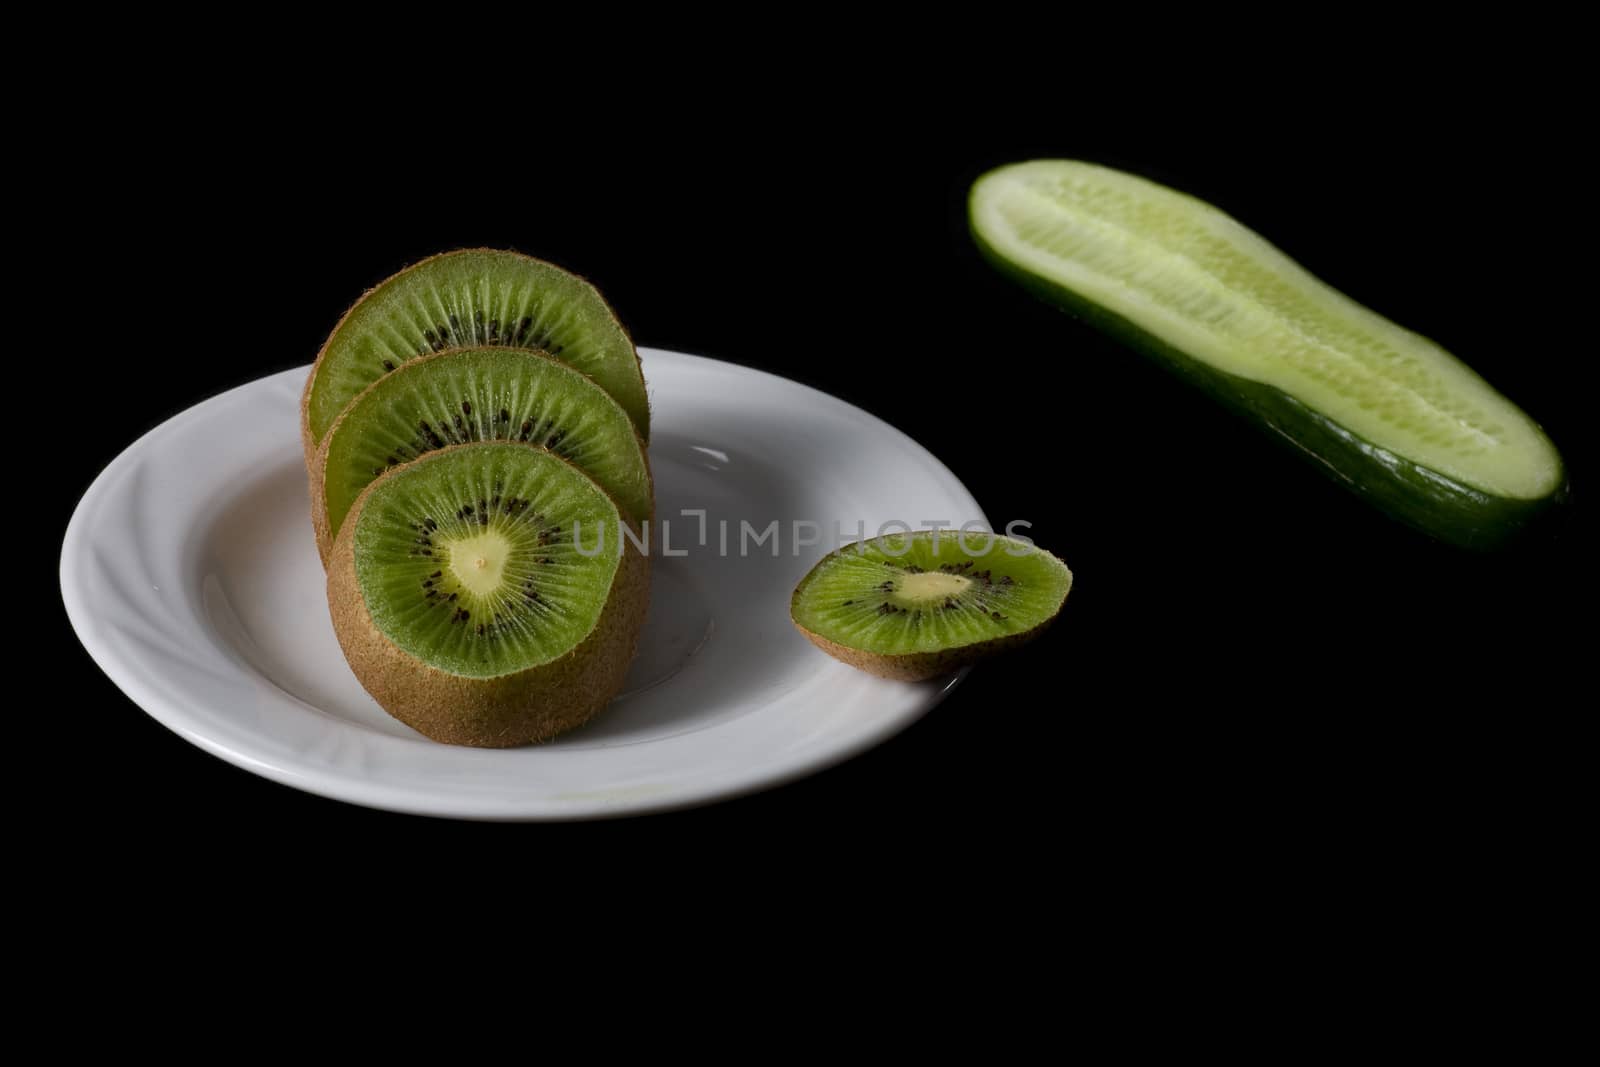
(387, 796)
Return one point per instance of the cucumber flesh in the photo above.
(1386, 410)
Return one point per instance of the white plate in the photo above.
(190, 574)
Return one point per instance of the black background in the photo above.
(1253, 667)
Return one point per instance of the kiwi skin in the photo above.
(526, 706)
(309, 443)
(920, 666)
(317, 464)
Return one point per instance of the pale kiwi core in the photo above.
(479, 562)
(930, 587)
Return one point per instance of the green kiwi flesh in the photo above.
(474, 600)
(472, 297)
(477, 394)
(468, 560)
(917, 605)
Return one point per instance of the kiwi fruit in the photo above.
(917, 605)
(475, 296)
(477, 394)
(470, 600)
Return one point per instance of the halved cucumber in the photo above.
(1387, 412)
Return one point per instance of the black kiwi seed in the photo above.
(437, 574)
(452, 596)
(847, 603)
(466, 407)
(387, 365)
(996, 616)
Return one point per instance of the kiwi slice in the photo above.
(475, 296)
(914, 606)
(477, 394)
(468, 608)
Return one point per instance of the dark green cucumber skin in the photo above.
(1418, 496)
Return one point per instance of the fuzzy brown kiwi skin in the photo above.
(308, 441)
(526, 706)
(919, 666)
(317, 465)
